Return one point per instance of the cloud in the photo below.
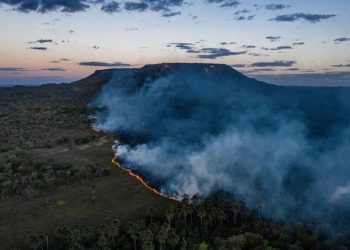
(227, 43)
(278, 48)
(259, 70)
(312, 18)
(183, 46)
(254, 54)
(225, 3)
(38, 48)
(216, 1)
(104, 64)
(134, 6)
(111, 7)
(308, 79)
(206, 53)
(231, 3)
(276, 6)
(273, 64)
(60, 60)
(237, 65)
(187, 47)
(214, 53)
(42, 41)
(299, 43)
(11, 69)
(163, 5)
(244, 11)
(131, 29)
(53, 69)
(70, 6)
(249, 46)
(44, 6)
(342, 39)
(242, 18)
(273, 38)
(171, 14)
(341, 65)
(160, 5)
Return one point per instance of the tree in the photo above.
(151, 212)
(201, 213)
(133, 230)
(114, 231)
(93, 193)
(102, 242)
(235, 210)
(146, 236)
(183, 244)
(148, 245)
(195, 201)
(162, 235)
(88, 235)
(203, 246)
(185, 210)
(34, 242)
(185, 199)
(169, 214)
(75, 236)
(173, 238)
(190, 210)
(221, 215)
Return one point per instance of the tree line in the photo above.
(216, 222)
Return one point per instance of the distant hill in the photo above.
(323, 108)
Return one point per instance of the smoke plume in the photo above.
(194, 128)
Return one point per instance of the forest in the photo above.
(216, 222)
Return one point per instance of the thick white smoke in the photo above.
(202, 128)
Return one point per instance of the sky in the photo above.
(295, 42)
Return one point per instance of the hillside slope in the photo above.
(51, 160)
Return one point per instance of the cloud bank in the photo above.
(312, 18)
(104, 64)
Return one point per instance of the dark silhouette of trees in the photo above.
(173, 238)
(162, 235)
(218, 224)
(133, 230)
(201, 213)
(169, 214)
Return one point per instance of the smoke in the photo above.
(202, 128)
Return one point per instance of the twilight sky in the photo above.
(295, 42)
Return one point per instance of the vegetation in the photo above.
(213, 223)
(42, 118)
(55, 170)
(23, 175)
(47, 116)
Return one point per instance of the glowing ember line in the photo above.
(140, 179)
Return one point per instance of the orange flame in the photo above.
(140, 179)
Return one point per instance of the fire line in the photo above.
(140, 179)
